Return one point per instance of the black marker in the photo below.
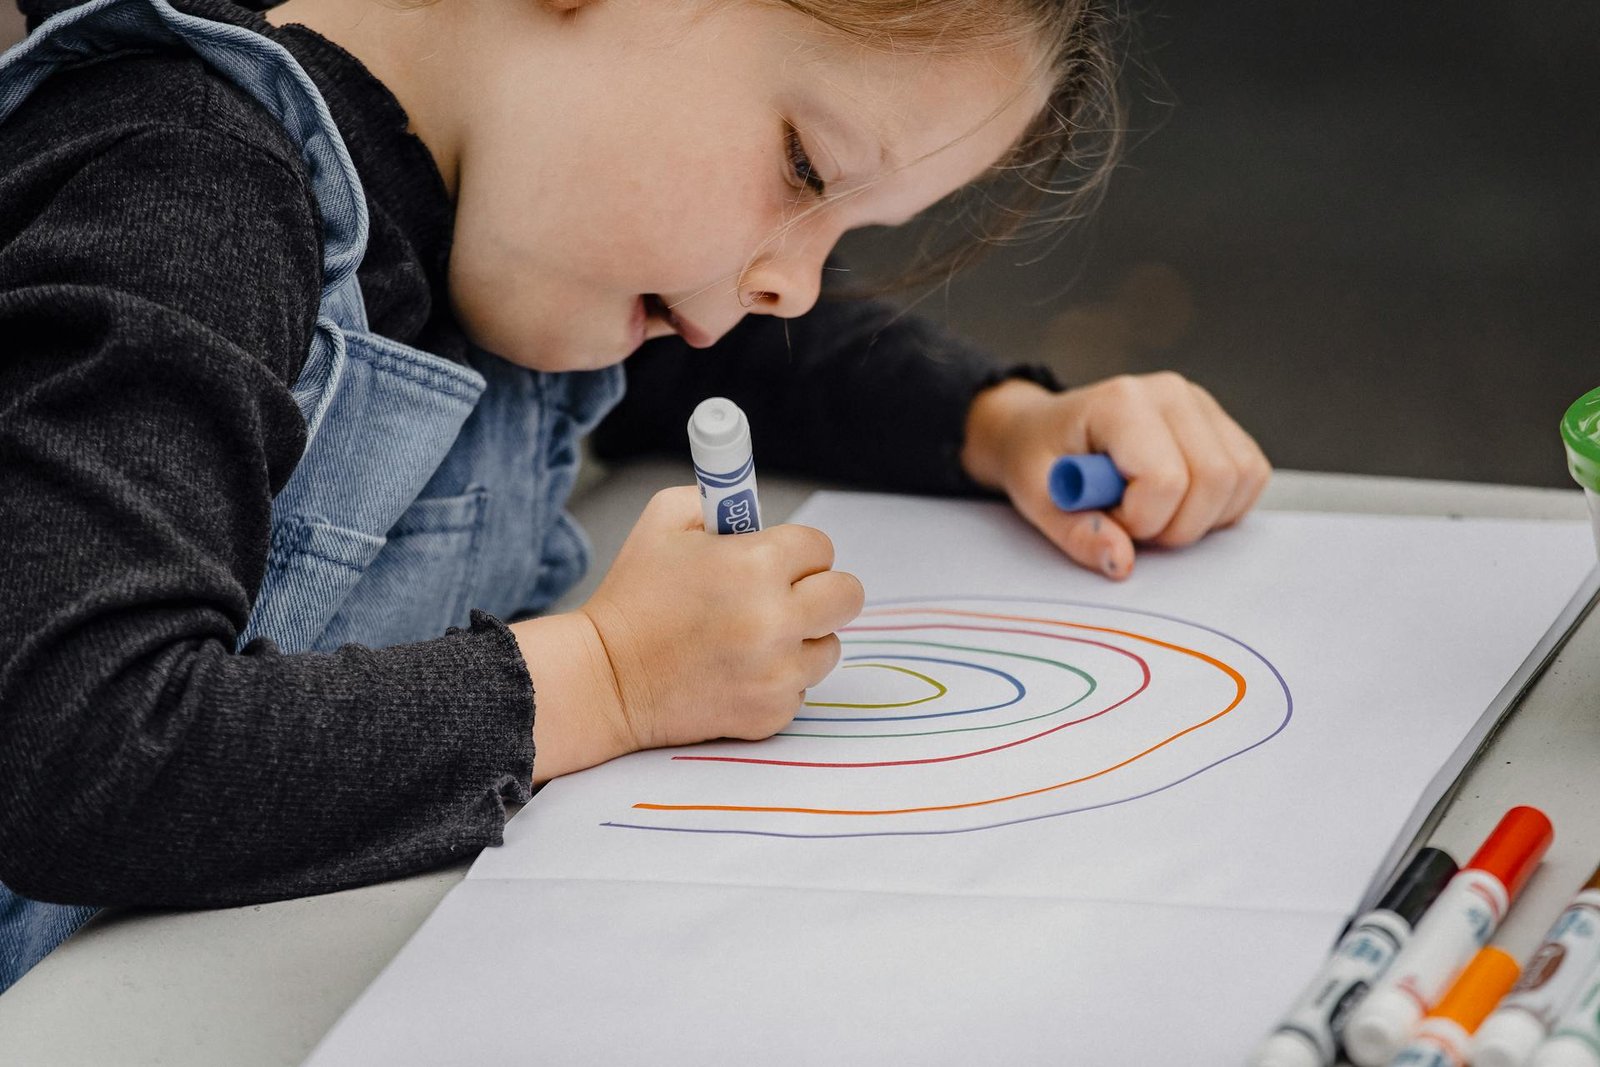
(1309, 1034)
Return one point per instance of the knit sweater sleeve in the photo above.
(155, 304)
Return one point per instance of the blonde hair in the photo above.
(1058, 169)
(1067, 154)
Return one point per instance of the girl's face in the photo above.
(633, 168)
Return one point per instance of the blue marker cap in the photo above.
(1082, 483)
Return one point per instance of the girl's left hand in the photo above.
(1190, 467)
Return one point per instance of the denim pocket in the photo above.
(311, 569)
(421, 582)
(564, 559)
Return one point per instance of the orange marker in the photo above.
(1460, 922)
(1445, 1036)
(1550, 983)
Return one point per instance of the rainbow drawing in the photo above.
(964, 713)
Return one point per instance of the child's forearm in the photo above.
(992, 414)
(575, 722)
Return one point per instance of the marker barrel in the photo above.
(1550, 983)
(1437, 1043)
(1444, 1039)
(1460, 923)
(1308, 1036)
(719, 443)
(1576, 1041)
(1566, 1051)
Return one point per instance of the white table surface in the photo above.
(259, 986)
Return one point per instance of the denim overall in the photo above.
(427, 488)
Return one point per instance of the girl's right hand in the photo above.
(694, 637)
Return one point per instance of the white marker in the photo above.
(1460, 923)
(1576, 1042)
(1550, 983)
(719, 443)
(1445, 1036)
(1309, 1035)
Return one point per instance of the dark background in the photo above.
(1370, 229)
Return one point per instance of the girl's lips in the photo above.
(693, 335)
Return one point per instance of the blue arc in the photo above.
(1288, 715)
(1018, 686)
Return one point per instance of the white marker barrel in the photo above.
(1576, 1041)
(1437, 1043)
(1550, 984)
(719, 443)
(1307, 1035)
(1445, 1037)
(1460, 922)
(1566, 1051)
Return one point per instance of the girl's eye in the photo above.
(802, 173)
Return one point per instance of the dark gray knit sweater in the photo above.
(159, 275)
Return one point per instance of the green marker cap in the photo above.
(1580, 430)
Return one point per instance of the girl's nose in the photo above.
(785, 293)
(786, 284)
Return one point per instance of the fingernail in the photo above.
(1107, 562)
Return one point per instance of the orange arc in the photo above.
(1238, 681)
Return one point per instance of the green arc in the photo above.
(1085, 675)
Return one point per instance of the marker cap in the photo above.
(1489, 976)
(1564, 1052)
(1084, 482)
(1419, 884)
(1514, 848)
(1381, 1026)
(719, 436)
(1287, 1050)
(1507, 1039)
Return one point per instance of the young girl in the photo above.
(304, 315)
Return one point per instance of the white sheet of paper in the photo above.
(1035, 816)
